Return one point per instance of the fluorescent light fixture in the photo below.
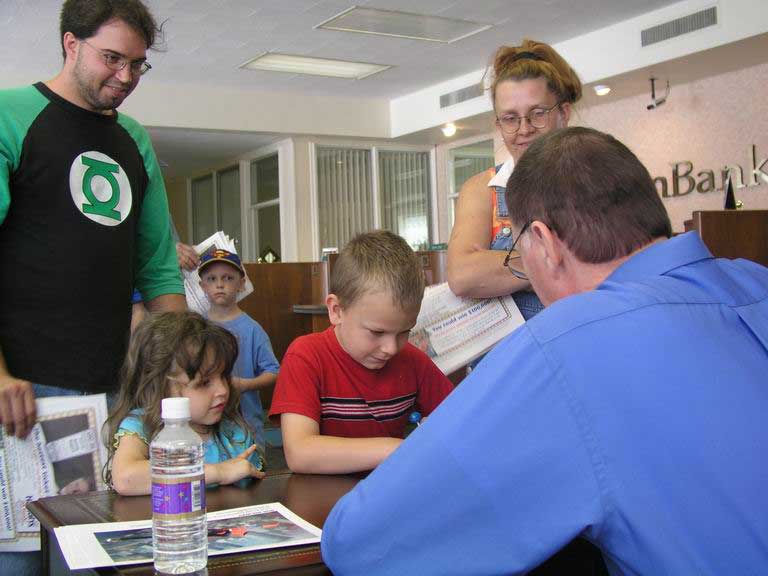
(402, 25)
(274, 62)
(602, 89)
(449, 129)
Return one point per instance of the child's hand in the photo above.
(238, 468)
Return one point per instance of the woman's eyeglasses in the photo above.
(537, 118)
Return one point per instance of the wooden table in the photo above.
(309, 496)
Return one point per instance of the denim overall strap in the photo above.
(527, 301)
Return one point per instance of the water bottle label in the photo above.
(177, 498)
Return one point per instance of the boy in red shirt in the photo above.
(344, 395)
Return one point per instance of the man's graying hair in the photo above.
(83, 18)
(591, 190)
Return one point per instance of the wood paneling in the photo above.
(734, 233)
(277, 288)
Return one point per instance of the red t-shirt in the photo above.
(318, 379)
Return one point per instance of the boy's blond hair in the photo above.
(378, 261)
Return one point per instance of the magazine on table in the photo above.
(196, 299)
(62, 454)
(454, 331)
(259, 527)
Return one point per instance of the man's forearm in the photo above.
(167, 303)
(263, 380)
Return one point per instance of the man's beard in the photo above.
(92, 94)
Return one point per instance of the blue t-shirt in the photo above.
(228, 442)
(632, 414)
(255, 357)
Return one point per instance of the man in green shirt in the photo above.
(83, 219)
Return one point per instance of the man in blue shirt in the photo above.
(630, 412)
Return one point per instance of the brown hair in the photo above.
(84, 18)
(531, 60)
(378, 260)
(591, 190)
(163, 345)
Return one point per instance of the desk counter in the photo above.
(309, 496)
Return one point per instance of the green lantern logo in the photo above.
(100, 188)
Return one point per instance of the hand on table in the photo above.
(238, 468)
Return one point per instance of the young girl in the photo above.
(179, 354)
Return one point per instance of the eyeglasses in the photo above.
(537, 118)
(519, 274)
(116, 62)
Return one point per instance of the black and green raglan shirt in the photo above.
(83, 219)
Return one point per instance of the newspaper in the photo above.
(453, 331)
(61, 455)
(196, 299)
(259, 527)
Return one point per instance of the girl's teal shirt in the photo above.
(228, 442)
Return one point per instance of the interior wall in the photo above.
(711, 123)
(597, 55)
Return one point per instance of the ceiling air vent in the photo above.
(461, 95)
(680, 26)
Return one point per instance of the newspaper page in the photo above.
(196, 299)
(260, 527)
(61, 455)
(453, 331)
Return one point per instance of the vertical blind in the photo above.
(463, 167)
(466, 167)
(344, 194)
(404, 195)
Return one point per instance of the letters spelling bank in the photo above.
(705, 180)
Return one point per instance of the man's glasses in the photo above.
(519, 274)
(537, 118)
(116, 62)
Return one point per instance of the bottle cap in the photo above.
(175, 408)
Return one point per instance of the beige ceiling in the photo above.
(707, 63)
(210, 39)
(206, 40)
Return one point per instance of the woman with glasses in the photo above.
(532, 89)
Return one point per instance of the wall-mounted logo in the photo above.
(100, 188)
(684, 181)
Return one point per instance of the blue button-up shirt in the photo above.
(633, 415)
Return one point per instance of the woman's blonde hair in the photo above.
(532, 60)
(164, 345)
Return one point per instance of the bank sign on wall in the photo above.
(687, 178)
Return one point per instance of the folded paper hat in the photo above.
(218, 255)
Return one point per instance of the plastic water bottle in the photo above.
(179, 529)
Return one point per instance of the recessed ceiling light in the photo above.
(402, 25)
(449, 129)
(274, 62)
(602, 89)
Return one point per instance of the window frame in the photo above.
(286, 199)
(374, 149)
